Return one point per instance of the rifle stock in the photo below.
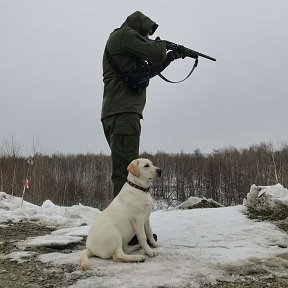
(188, 52)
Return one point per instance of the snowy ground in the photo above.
(195, 245)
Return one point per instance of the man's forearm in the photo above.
(158, 69)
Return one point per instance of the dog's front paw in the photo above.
(153, 244)
(151, 252)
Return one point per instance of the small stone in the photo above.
(3, 271)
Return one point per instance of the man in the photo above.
(128, 54)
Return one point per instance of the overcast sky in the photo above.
(51, 74)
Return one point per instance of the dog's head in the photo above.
(144, 169)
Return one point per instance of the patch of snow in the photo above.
(48, 214)
(19, 256)
(49, 241)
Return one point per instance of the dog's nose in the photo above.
(159, 172)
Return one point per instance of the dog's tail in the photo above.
(84, 261)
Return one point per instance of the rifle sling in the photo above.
(112, 62)
(193, 68)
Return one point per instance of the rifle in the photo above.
(185, 51)
(188, 52)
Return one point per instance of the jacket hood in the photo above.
(141, 23)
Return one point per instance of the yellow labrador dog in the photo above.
(127, 215)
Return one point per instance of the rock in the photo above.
(196, 202)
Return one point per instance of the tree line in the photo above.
(224, 175)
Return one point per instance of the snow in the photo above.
(193, 202)
(279, 195)
(273, 196)
(50, 240)
(48, 214)
(193, 244)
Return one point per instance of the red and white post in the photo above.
(26, 180)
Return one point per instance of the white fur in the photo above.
(127, 215)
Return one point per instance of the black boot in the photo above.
(134, 240)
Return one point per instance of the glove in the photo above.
(182, 52)
(173, 55)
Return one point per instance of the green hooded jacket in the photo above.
(128, 45)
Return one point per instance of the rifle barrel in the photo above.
(190, 53)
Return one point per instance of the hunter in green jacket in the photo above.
(122, 108)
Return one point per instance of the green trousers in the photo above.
(122, 132)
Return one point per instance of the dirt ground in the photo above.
(33, 273)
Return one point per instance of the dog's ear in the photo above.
(133, 168)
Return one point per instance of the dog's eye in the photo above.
(146, 166)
